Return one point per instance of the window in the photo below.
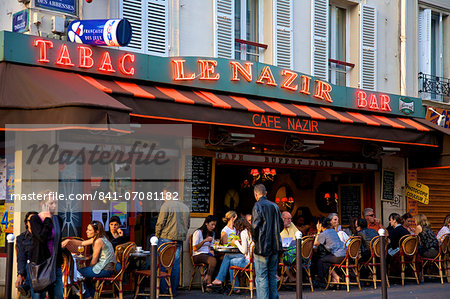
(246, 25)
(149, 21)
(337, 45)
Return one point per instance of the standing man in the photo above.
(172, 226)
(372, 222)
(266, 229)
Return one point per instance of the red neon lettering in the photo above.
(43, 44)
(178, 71)
(85, 57)
(290, 78)
(64, 57)
(385, 100)
(246, 72)
(361, 98)
(207, 70)
(323, 90)
(105, 63)
(266, 74)
(122, 68)
(373, 102)
(305, 84)
(254, 120)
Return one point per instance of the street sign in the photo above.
(64, 6)
(20, 21)
(418, 191)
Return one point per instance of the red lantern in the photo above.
(254, 172)
(291, 199)
(266, 171)
(284, 199)
(277, 200)
(273, 172)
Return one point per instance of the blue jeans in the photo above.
(266, 276)
(230, 260)
(53, 293)
(175, 276)
(88, 273)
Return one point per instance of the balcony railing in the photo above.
(433, 87)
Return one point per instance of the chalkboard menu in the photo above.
(388, 185)
(197, 186)
(350, 202)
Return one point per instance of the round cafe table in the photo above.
(226, 249)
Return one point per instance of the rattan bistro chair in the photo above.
(352, 255)
(374, 261)
(307, 251)
(201, 268)
(249, 272)
(408, 256)
(68, 275)
(440, 260)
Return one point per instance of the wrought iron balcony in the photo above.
(434, 86)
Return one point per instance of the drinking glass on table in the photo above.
(81, 250)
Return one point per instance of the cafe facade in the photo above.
(317, 147)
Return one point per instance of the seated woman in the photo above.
(103, 259)
(328, 237)
(202, 241)
(366, 234)
(238, 260)
(409, 223)
(428, 243)
(334, 220)
(445, 229)
(228, 232)
(115, 234)
(395, 234)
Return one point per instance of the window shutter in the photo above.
(133, 12)
(224, 35)
(320, 39)
(157, 27)
(283, 33)
(368, 56)
(425, 41)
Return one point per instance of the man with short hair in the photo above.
(289, 228)
(266, 228)
(372, 222)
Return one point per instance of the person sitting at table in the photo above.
(239, 260)
(366, 234)
(103, 259)
(396, 233)
(445, 229)
(115, 235)
(428, 243)
(228, 232)
(334, 220)
(409, 223)
(202, 241)
(327, 236)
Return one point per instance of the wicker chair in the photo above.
(122, 253)
(201, 268)
(74, 249)
(440, 260)
(68, 277)
(408, 256)
(166, 260)
(374, 261)
(249, 272)
(352, 255)
(307, 251)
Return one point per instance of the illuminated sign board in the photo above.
(254, 79)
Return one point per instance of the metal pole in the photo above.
(153, 266)
(298, 260)
(383, 271)
(9, 265)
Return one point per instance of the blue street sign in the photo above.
(65, 6)
(113, 32)
(20, 21)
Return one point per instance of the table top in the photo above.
(142, 253)
(226, 249)
(79, 258)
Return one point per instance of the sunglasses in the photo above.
(371, 215)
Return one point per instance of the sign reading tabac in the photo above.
(418, 191)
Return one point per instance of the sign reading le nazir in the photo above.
(418, 191)
(254, 79)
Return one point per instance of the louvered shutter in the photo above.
(157, 40)
(283, 33)
(425, 41)
(368, 56)
(132, 10)
(224, 33)
(320, 39)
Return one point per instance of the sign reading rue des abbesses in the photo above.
(254, 79)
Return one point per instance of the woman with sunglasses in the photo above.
(103, 259)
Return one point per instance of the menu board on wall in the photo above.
(197, 187)
(350, 198)
(387, 191)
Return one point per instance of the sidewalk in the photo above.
(428, 290)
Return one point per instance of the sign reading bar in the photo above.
(418, 191)
(64, 6)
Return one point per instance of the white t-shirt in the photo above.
(444, 230)
(230, 232)
(197, 237)
(244, 244)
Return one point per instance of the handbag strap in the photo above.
(57, 236)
